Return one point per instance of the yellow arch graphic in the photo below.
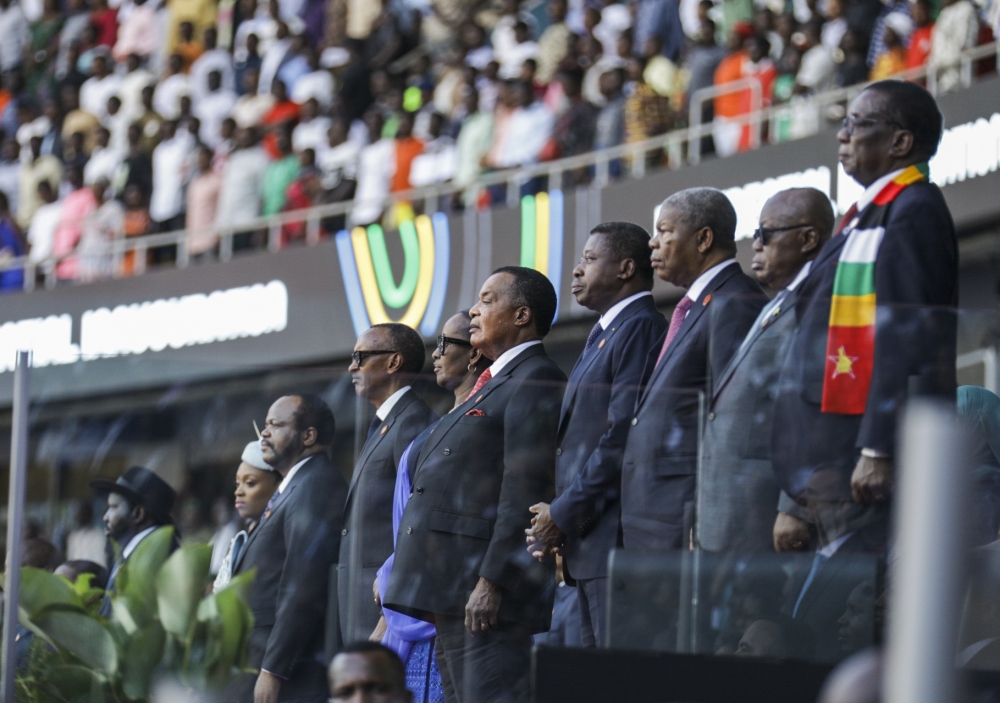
(542, 233)
(369, 286)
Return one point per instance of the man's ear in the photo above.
(138, 515)
(705, 238)
(902, 144)
(309, 437)
(810, 240)
(626, 270)
(395, 363)
(523, 316)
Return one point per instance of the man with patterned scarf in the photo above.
(877, 325)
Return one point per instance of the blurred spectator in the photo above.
(317, 84)
(919, 48)
(407, 149)
(302, 193)
(663, 75)
(35, 169)
(278, 175)
(138, 32)
(77, 20)
(817, 69)
(272, 57)
(212, 59)
(137, 168)
(12, 246)
(853, 68)
(473, 143)
(553, 45)
(148, 121)
(647, 113)
(14, 30)
(956, 29)
(170, 88)
(105, 20)
(573, 132)
(77, 119)
(170, 163)
(43, 223)
(188, 48)
(615, 20)
(748, 59)
(610, 128)
(376, 165)
(99, 88)
(892, 60)
(104, 160)
(101, 228)
(527, 131)
(136, 224)
(436, 164)
(202, 206)
(512, 57)
(76, 206)
(312, 130)
(131, 84)
(877, 46)
(43, 47)
(338, 161)
(280, 119)
(39, 554)
(242, 181)
(10, 169)
(702, 61)
(659, 20)
(250, 107)
(72, 569)
(117, 123)
(212, 108)
(834, 26)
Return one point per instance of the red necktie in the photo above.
(848, 216)
(484, 378)
(680, 312)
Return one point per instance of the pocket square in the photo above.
(475, 412)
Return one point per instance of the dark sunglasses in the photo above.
(443, 342)
(764, 234)
(359, 356)
(851, 123)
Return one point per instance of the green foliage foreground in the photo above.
(161, 625)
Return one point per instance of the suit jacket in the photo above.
(594, 422)
(292, 550)
(660, 464)
(738, 494)
(473, 483)
(916, 289)
(367, 535)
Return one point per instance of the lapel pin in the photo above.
(601, 345)
(267, 515)
(479, 398)
(707, 300)
(384, 429)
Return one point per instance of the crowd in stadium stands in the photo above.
(121, 118)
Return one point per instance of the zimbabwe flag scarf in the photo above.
(850, 341)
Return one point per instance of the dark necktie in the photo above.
(373, 428)
(676, 320)
(592, 339)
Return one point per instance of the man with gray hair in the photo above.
(693, 247)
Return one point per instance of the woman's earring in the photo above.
(472, 366)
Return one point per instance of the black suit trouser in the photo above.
(492, 667)
(593, 598)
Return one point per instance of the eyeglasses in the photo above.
(764, 234)
(359, 356)
(851, 123)
(443, 343)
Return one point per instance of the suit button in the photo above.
(409, 530)
(559, 452)
(343, 532)
(420, 490)
(711, 416)
(635, 420)
(447, 451)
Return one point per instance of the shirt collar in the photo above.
(875, 188)
(385, 408)
(134, 542)
(701, 283)
(615, 310)
(508, 356)
(800, 276)
(291, 472)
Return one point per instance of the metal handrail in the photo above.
(673, 144)
(698, 98)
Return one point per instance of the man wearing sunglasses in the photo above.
(385, 359)
(877, 315)
(738, 489)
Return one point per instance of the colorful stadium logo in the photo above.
(542, 234)
(371, 286)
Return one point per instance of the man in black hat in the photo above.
(138, 502)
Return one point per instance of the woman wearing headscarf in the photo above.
(457, 366)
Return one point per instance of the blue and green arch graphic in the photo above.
(542, 229)
(371, 285)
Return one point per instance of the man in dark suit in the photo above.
(460, 559)
(385, 359)
(292, 549)
(738, 495)
(844, 383)
(614, 279)
(693, 247)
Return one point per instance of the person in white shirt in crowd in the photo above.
(438, 162)
(131, 85)
(167, 98)
(338, 161)
(956, 29)
(226, 145)
(817, 68)
(376, 166)
(473, 143)
(479, 53)
(14, 30)
(273, 57)
(101, 227)
(512, 58)
(312, 130)
(242, 181)
(528, 129)
(203, 205)
(615, 19)
(43, 223)
(264, 25)
(503, 37)
(835, 26)
(34, 170)
(10, 172)
(170, 161)
(318, 84)
(117, 123)
(101, 85)
(212, 108)
(250, 108)
(104, 159)
(213, 59)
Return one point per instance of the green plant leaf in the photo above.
(73, 684)
(141, 658)
(236, 622)
(136, 580)
(241, 583)
(40, 589)
(81, 636)
(179, 586)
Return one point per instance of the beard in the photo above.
(285, 458)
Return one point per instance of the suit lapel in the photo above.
(279, 500)
(372, 444)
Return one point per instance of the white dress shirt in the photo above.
(167, 98)
(134, 542)
(701, 283)
(214, 60)
(875, 188)
(615, 310)
(169, 159)
(291, 473)
(385, 408)
(509, 355)
(212, 109)
(311, 135)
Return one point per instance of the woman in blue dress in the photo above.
(12, 245)
(457, 367)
